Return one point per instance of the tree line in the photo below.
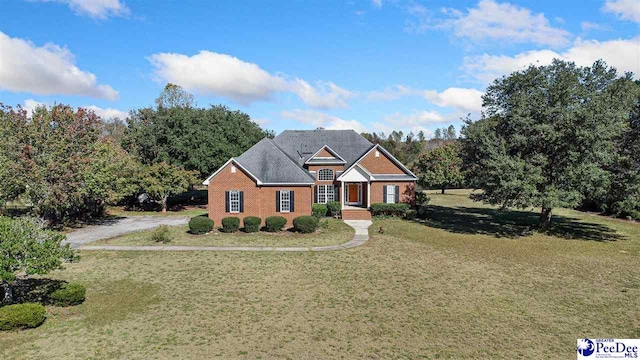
(550, 136)
(67, 164)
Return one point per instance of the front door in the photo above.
(354, 193)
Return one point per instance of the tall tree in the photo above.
(173, 96)
(194, 138)
(546, 135)
(441, 167)
(162, 180)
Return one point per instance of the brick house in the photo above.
(284, 176)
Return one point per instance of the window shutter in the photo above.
(384, 194)
(336, 193)
(241, 201)
(278, 201)
(226, 201)
(315, 189)
(291, 201)
(397, 193)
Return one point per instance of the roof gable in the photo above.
(325, 155)
(408, 174)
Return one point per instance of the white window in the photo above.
(285, 201)
(377, 153)
(391, 194)
(233, 169)
(325, 175)
(234, 201)
(325, 194)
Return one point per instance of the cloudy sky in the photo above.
(368, 65)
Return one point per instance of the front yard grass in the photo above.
(332, 232)
(485, 286)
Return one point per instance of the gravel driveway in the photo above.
(117, 227)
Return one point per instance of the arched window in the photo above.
(325, 175)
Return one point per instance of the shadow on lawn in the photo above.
(33, 290)
(512, 224)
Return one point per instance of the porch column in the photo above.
(342, 192)
(368, 194)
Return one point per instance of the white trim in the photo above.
(357, 174)
(231, 203)
(333, 174)
(368, 195)
(290, 184)
(288, 202)
(393, 159)
(206, 182)
(336, 155)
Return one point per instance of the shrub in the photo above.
(334, 208)
(69, 294)
(305, 224)
(200, 225)
(21, 316)
(252, 224)
(423, 211)
(274, 223)
(384, 209)
(422, 198)
(230, 224)
(319, 210)
(161, 234)
(410, 214)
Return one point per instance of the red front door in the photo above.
(353, 193)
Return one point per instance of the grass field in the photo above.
(471, 282)
(332, 232)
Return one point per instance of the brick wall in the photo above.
(407, 191)
(258, 200)
(379, 165)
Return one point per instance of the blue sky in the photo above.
(369, 65)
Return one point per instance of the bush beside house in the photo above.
(200, 225)
(333, 208)
(275, 223)
(230, 224)
(305, 224)
(252, 224)
(319, 210)
(384, 209)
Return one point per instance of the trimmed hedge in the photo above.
(200, 225)
(69, 294)
(252, 224)
(305, 224)
(21, 316)
(384, 209)
(274, 223)
(319, 210)
(230, 224)
(333, 208)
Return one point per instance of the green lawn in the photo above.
(332, 232)
(471, 282)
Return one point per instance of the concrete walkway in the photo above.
(361, 236)
(116, 227)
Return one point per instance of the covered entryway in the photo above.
(354, 194)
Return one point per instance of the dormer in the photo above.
(325, 156)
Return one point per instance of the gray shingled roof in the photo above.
(300, 145)
(270, 165)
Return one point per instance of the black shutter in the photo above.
(226, 201)
(241, 201)
(278, 201)
(336, 193)
(315, 190)
(397, 192)
(384, 193)
(291, 202)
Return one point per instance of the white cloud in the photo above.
(392, 93)
(99, 9)
(588, 26)
(491, 20)
(377, 3)
(459, 98)
(417, 118)
(624, 54)
(109, 113)
(224, 75)
(624, 9)
(45, 70)
(320, 119)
